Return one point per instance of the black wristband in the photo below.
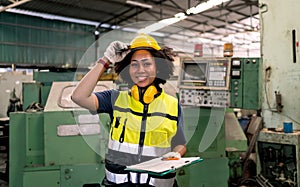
(105, 64)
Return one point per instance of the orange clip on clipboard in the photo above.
(161, 167)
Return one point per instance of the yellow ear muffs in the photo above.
(135, 92)
(148, 95)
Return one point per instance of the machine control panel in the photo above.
(205, 73)
(205, 82)
(208, 98)
(245, 80)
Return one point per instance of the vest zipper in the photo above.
(142, 132)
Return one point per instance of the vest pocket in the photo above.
(158, 138)
(116, 125)
(118, 129)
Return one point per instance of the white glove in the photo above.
(171, 155)
(116, 51)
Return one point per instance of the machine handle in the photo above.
(294, 45)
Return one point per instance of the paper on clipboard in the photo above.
(160, 166)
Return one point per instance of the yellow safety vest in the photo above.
(140, 129)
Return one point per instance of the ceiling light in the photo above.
(139, 4)
(180, 16)
(162, 23)
(204, 6)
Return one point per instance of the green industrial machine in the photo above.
(59, 145)
(208, 90)
(38, 157)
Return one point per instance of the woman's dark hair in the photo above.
(163, 60)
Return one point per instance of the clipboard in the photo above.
(160, 167)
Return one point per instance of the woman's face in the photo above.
(142, 68)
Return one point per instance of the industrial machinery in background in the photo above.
(11, 90)
(58, 143)
(278, 162)
(11, 101)
(209, 88)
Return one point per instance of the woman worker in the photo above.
(146, 122)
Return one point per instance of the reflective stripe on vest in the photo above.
(134, 178)
(123, 178)
(133, 148)
(161, 123)
(116, 178)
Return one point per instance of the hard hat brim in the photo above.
(142, 48)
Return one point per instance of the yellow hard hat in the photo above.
(144, 40)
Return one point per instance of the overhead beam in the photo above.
(14, 4)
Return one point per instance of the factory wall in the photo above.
(35, 41)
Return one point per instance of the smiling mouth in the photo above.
(141, 78)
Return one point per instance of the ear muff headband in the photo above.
(146, 97)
